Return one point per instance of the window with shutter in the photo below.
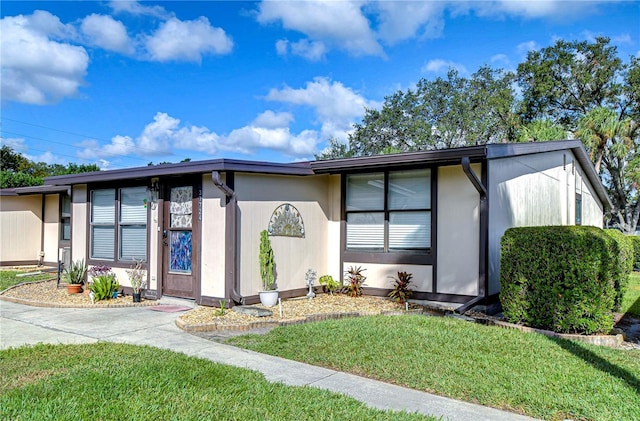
(124, 215)
(389, 211)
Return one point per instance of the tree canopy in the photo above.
(572, 89)
(18, 171)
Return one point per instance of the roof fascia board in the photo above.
(504, 150)
(300, 168)
(440, 156)
(42, 189)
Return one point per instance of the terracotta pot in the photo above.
(74, 288)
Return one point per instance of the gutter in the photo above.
(231, 236)
(483, 281)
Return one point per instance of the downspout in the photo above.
(231, 236)
(43, 197)
(483, 287)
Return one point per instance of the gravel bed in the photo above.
(47, 294)
(293, 310)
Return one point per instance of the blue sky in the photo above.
(124, 83)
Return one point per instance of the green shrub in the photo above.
(559, 278)
(329, 284)
(104, 282)
(622, 253)
(635, 242)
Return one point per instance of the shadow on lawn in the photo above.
(600, 363)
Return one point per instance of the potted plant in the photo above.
(74, 276)
(269, 293)
(136, 277)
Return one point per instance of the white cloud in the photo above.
(500, 59)
(524, 47)
(36, 69)
(442, 66)
(107, 33)
(282, 47)
(340, 24)
(44, 23)
(270, 119)
(187, 40)
(156, 136)
(135, 8)
(618, 39)
(403, 20)
(358, 26)
(337, 107)
(46, 157)
(310, 50)
(552, 9)
(250, 138)
(16, 143)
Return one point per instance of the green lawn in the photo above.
(9, 278)
(631, 300)
(525, 373)
(124, 382)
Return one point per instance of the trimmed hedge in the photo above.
(635, 241)
(566, 279)
(623, 252)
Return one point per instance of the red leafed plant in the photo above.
(354, 280)
(401, 291)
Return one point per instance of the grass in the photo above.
(126, 382)
(10, 278)
(631, 300)
(507, 369)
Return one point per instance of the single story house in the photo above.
(439, 215)
(35, 225)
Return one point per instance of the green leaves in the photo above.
(18, 171)
(565, 279)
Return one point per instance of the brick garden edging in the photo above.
(611, 341)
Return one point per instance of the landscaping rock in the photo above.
(253, 311)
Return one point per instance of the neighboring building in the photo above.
(439, 215)
(35, 225)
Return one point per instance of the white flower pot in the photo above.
(268, 298)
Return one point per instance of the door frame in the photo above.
(196, 239)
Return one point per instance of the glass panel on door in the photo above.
(180, 239)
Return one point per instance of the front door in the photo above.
(181, 242)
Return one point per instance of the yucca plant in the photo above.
(76, 272)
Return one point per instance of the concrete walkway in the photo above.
(20, 325)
